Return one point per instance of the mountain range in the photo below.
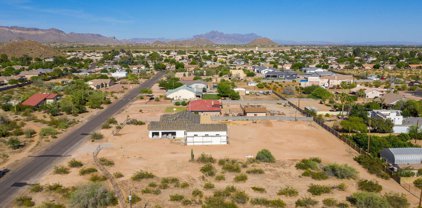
(56, 36)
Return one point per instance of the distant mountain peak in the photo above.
(227, 38)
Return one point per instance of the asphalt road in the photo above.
(33, 166)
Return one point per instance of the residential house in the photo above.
(208, 107)
(286, 74)
(254, 110)
(197, 85)
(183, 93)
(100, 83)
(39, 99)
(390, 99)
(393, 115)
(119, 74)
(187, 126)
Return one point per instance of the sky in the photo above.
(290, 20)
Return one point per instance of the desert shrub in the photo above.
(208, 170)
(317, 190)
(152, 185)
(288, 191)
(75, 163)
(329, 202)
(111, 121)
(397, 200)
(240, 197)
(197, 193)
(151, 191)
(258, 189)
(231, 166)
(306, 202)
(220, 202)
(142, 175)
(369, 186)
(48, 131)
(135, 122)
(51, 205)
(106, 162)
(368, 199)
(105, 126)
(343, 205)
(340, 171)
(265, 155)
(97, 178)
(176, 197)
(29, 133)
(59, 189)
(340, 187)
(240, 178)
(60, 123)
(14, 143)
(24, 201)
(209, 185)
(255, 171)
(85, 171)
(92, 195)
(36, 188)
(96, 136)
(276, 203)
(204, 158)
(61, 170)
(220, 177)
(316, 175)
(373, 165)
(184, 185)
(118, 175)
(186, 202)
(308, 164)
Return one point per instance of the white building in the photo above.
(119, 74)
(394, 115)
(182, 93)
(186, 126)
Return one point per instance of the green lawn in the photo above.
(210, 97)
(175, 109)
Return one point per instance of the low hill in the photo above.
(262, 42)
(52, 36)
(28, 47)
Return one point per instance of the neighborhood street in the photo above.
(35, 165)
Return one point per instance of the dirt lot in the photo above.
(289, 142)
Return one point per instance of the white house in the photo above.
(119, 74)
(186, 125)
(374, 93)
(197, 85)
(182, 93)
(394, 115)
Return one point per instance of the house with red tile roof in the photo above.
(38, 99)
(211, 107)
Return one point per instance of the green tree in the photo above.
(354, 124)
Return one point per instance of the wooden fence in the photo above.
(117, 191)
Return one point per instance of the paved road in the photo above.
(36, 165)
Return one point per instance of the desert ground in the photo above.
(131, 151)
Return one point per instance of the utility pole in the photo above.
(369, 134)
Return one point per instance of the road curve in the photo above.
(34, 166)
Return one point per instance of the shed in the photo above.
(402, 156)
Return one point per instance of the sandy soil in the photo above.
(289, 142)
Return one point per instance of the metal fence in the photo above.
(118, 192)
(259, 118)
